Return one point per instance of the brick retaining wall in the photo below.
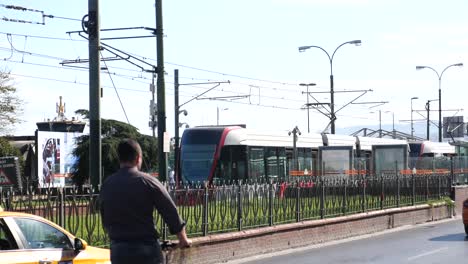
(230, 246)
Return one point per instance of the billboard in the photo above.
(55, 159)
(9, 172)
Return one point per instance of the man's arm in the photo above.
(168, 210)
(183, 240)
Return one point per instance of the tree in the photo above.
(112, 132)
(10, 103)
(7, 150)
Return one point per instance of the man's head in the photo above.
(130, 153)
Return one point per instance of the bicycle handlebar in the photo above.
(168, 245)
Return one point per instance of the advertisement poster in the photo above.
(55, 158)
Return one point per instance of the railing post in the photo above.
(427, 187)
(413, 189)
(438, 186)
(270, 203)
(363, 185)
(345, 196)
(298, 202)
(322, 198)
(205, 209)
(452, 172)
(382, 191)
(239, 207)
(61, 206)
(398, 189)
(364, 198)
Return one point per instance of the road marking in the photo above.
(427, 253)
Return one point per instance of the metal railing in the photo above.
(209, 209)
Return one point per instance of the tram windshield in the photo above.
(198, 148)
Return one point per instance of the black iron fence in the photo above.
(211, 209)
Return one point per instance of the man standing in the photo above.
(127, 199)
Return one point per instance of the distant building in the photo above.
(60, 123)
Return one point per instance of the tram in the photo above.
(235, 153)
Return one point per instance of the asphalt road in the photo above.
(437, 242)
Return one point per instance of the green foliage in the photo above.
(8, 150)
(443, 200)
(113, 132)
(10, 104)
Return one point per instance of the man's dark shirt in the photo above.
(128, 199)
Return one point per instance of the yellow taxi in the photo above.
(465, 215)
(26, 238)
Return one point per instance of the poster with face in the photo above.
(55, 158)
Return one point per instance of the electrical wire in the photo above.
(59, 17)
(128, 77)
(116, 92)
(72, 82)
(133, 78)
(42, 37)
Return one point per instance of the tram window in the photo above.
(272, 163)
(305, 159)
(232, 163)
(256, 163)
(224, 172)
(301, 159)
(281, 163)
(308, 160)
(238, 165)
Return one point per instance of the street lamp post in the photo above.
(440, 91)
(332, 98)
(295, 132)
(308, 106)
(412, 128)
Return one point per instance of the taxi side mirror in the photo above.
(79, 244)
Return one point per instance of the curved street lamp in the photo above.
(330, 58)
(440, 92)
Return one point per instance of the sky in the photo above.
(251, 48)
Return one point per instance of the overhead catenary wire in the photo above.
(230, 92)
(133, 77)
(190, 67)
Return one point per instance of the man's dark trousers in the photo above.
(141, 252)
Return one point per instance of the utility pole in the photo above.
(176, 123)
(93, 27)
(153, 111)
(161, 94)
(428, 120)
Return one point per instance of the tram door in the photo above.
(232, 164)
